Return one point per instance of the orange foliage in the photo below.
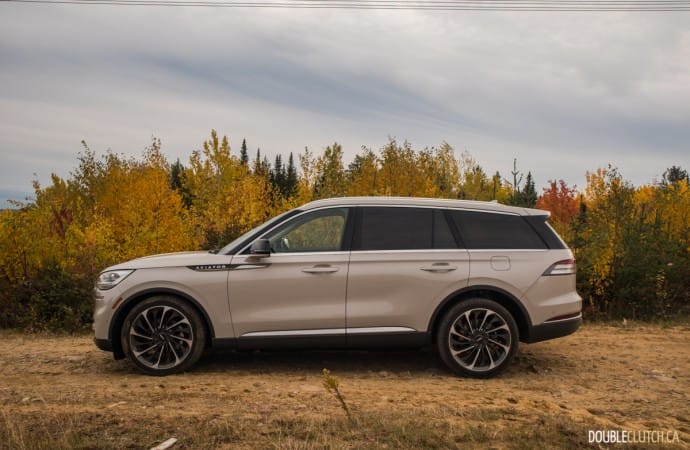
(560, 200)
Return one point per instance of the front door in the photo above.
(297, 294)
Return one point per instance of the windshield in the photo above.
(252, 234)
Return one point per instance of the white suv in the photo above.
(471, 278)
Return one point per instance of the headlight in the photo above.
(108, 280)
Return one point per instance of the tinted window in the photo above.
(553, 241)
(390, 228)
(394, 229)
(443, 237)
(318, 231)
(483, 230)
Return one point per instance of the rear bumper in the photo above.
(552, 330)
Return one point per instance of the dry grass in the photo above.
(62, 393)
(371, 429)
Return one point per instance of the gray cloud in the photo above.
(564, 93)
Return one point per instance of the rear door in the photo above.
(404, 261)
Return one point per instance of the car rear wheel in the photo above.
(163, 335)
(477, 338)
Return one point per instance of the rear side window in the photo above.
(484, 230)
(391, 228)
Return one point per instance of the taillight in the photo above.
(563, 267)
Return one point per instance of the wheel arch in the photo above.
(133, 300)
(505, 299)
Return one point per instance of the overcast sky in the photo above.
(561, 92)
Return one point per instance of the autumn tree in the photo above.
(476, 185)
(632, 244)
(445, 171)
(674, 175)
(562, 201)
(109, 210)
(228, 198)
(402, 173)
(362, 174)
(330, 180)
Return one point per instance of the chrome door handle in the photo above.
(320, 269)
(439, 268)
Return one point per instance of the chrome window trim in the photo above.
(469, 207)
(442, 208)
(354, 205)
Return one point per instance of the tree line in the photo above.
(632, 244)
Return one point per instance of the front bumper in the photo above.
(103, 344)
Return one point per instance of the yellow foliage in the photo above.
(113, 209)
(228, 199)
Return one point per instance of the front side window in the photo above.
(252, 234)
(318, 231)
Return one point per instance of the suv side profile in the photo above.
(471, 278)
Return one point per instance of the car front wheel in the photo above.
(163, 335)
(477, 338)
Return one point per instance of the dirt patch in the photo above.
(62, 392)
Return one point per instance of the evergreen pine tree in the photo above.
(266, 165)
(529, 195)
(177, 182)
(261, 167)
(244, 156)
(496, 180)
(277, 176)
(290, 177)
(176, 175)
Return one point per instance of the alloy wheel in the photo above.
(161, 337)
(479, 340)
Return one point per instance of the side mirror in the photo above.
(260, 247)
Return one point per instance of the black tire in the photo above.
(477, 338)
(163, 335)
